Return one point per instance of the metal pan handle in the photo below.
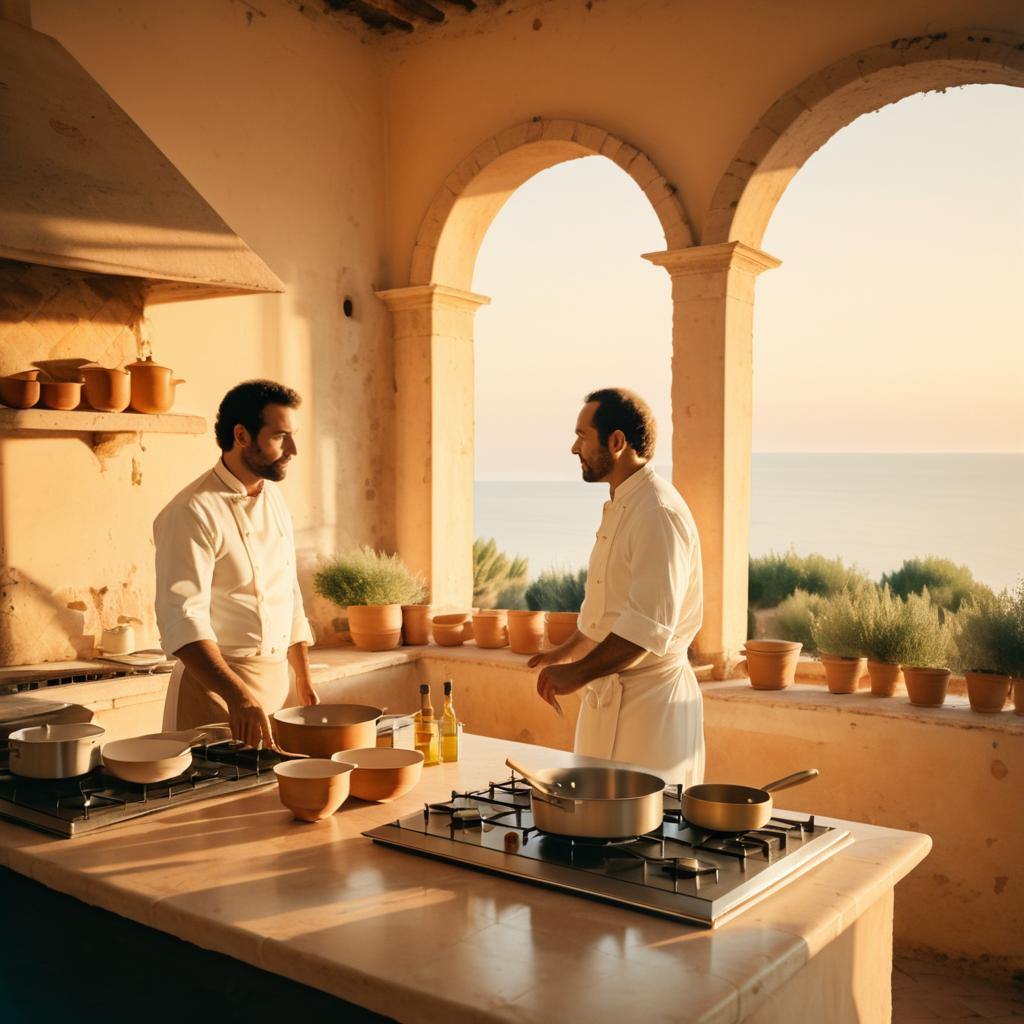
(541, 790)
(791, 780)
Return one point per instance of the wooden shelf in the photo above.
(88, 421)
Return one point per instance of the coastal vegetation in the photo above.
(364, 576)
(557, 590)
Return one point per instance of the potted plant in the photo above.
(926, 659)
(986, 646)
(884, 637)
(373, 586)
(836, 631)
(560, 594)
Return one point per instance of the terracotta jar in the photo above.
(987, 691)
(884, 678)
(107, 390)
(153, 387)
(526, 632)
(449, 634)
(20, 390)
(63, 395)
(842, 674)
(490, 628)
(415, 624)
(375, 627)
(771, 664)
(926, 687)
(561, 626)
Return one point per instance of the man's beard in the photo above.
(597, 468)
(262, 467)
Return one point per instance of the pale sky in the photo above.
(894, 323)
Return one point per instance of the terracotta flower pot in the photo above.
(491, 629)
(842, 674)
(63, 395)
(771, 664)
(926, 687)
(987, 691)
(1018, 696)
(313, 788)
(884, 678)
(415, 624)
(107, 390)
(20, 390)
(561, 626)
(526, 632)
(375, 627)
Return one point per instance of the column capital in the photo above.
(431, 296)
(721, 257)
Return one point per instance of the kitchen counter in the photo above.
(425, 940)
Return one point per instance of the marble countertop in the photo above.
(420, 939)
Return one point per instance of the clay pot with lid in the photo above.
(107, 390)
(152, 386)
(20, 390)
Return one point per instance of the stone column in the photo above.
(433, 335)
(712, 325)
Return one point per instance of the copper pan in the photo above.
(722, 808)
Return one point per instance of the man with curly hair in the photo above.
(227, 597)
(642, 607)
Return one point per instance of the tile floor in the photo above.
(923, 990)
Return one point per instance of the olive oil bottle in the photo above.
(427, 732)
(449, 727)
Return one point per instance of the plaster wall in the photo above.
(274, 115)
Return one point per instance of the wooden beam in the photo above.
(372, 14)
(422, 9)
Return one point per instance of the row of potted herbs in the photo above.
(383, 602)
(912, 639)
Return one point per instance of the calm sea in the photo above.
(873, 510)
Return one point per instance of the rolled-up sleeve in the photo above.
(185, 555)
(659, 568)
(301, 633)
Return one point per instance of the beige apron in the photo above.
(189, 704)
(651, 716)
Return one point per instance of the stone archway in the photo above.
(713, 286)
(433, 331)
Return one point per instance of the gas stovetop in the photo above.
(72, 807)
(677, 871)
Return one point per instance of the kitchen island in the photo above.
(422, 940)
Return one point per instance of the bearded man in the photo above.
(228, 603)
(642, 606)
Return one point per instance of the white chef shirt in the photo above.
(644, 582)
(225, 570)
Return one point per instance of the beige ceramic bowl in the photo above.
(146, 760)
(313, 788)
(382, 773)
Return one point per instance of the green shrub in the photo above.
(795, 617)
(899, 632)
(498, 581)
(948, 584)
(836, 626)
(557, 591)
(772, 578)
(364, 576)
(989, 634)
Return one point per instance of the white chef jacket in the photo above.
(645, 585)
(225, 570)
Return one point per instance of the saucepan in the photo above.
(158, 756)
(595, 803)
(55, 751)
(722, 808)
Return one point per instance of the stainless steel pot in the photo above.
(595, 803)
(55, 751)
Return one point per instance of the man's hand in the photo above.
(305, 692)
(555, 680)
(249, 724)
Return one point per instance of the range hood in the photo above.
(83, 188)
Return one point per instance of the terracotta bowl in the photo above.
(146, 760)
(20, 390)
(449, 635)
(382, 773)
(313, 788)
(61, 394)
(322, 729)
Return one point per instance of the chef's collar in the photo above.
(633, 483)
(232, 482)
